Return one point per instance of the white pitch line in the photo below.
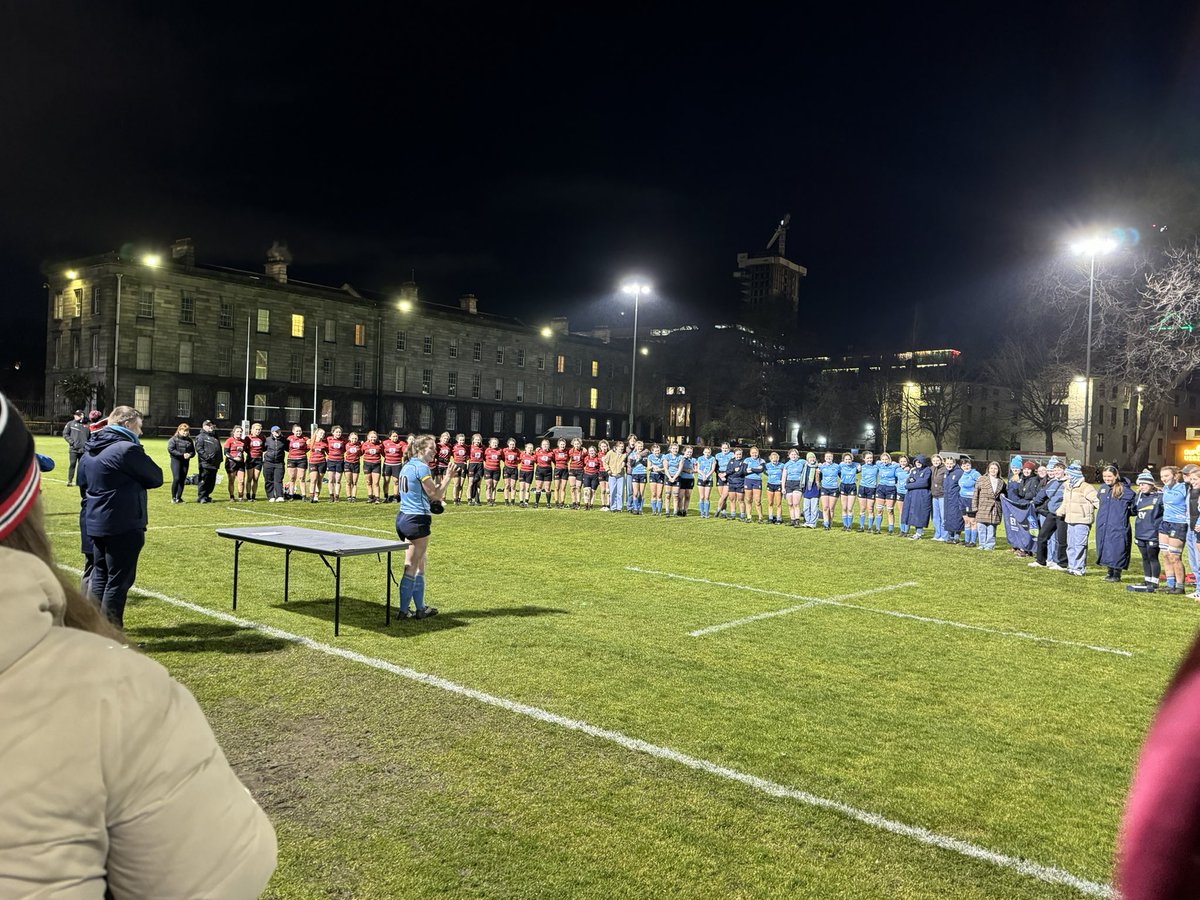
(1047, 874)
(301, 520)
(746, 621)
(838, 601)
(157, 528)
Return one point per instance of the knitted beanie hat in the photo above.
(20, 476)
(1145, 478)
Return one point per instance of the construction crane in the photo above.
(781, 235)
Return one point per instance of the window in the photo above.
(264, 321)
(579, 366)
(452, 384)
(224, 361)
(477, 353)
(578, 395)
(75, 351)
(1160, 440)
(451, 418)
(141, 398)
(561, 364)
(95, 358)
(426, 417)
(95, 299)
(519, 422)
(293, 406)
(399, 415)
(297, 325)
(186, 348)
(330, 336)
(1099, 441)
(222, 409)
(591, 427)
(541, 394)
(145, 352)
(57, 344)
(427, 345)
(401, 340)
(1174, 419)
(475, 419)
(520, 359)
(1113, 423)
(595, 368)
(499, 388)
(1114, 391)
(359, 371)
(1125, 416)
(225, 317)
(400, 380)
(360, 334)
(499, 357)
(497, 422)
(558, 395)
(520, 391)
(1124, 443)
(327, 371)
(356, 412)
(593, 400)
(454, 348)
(57, 312)
(476, 386)
(426, 383)
(541, 365)
(187, 308)
(295, 368)
(258, 409)
(183, 403)
(326, 412)
(260, 365)
(539, 423)
(146, 303)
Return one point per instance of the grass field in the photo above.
(579, 741)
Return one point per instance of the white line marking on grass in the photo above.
(838, 601)
(1048, 874)
(301, 520)
(746, 621)
(159, 527)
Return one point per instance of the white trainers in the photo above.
(1055, 566)
(1036, 565)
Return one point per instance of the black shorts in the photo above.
(351, 468)
(392, 470)
(1175, 530)
(411, 527)
(737, 487)
(885, 492)
(638, 479)
(794, 487)
(297, 463)
(525, 477)
(474, 470)
(866, 493)
(829, 492)
(1147, 545)
(847, 490)
(774, 488)
(753, 485)
(372, 468)
(438, 471)
(320, 468)
(336, 465)
(575, 473)
(560, 474)
(686, 482)
(510, 474)
(252, 463)
(491, 474)
(657, 478)
(591, 482)
(458, 470)
(234, 465)
(544, 473)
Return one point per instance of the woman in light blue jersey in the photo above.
(848, 487)
(735, 476)
(793, 486)
(1172, 534)
(754, 466)
(672, 469)
(706, 467)
(774, 486)
(687, 480)
(868, 484)
(723, 457)
(966, 492)
(418, 491)
(654, 471)
(902, 470)
(885, 492)
(637, 475)
(830, 476)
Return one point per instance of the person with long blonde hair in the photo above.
(113, 781)
(419, 493)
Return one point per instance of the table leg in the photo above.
(287, 567)
(387, 615)
(237, 546)
(337, 597)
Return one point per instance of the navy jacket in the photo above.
(1113, 539)
(1149, 511)
(117, 472)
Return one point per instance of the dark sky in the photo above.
(929, 157)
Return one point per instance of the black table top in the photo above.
(309, 540)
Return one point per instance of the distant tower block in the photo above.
(770, 285)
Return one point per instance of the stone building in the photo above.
(196, 342)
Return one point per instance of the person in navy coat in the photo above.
(1113, 538)
(918, 505)
(952, 510)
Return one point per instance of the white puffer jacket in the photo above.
(110, 777)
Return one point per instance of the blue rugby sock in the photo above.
(418, 593)
(406, 592)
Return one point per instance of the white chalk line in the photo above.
(1048, 874)
(839, 601)
(301, 520)
(746, 621)
(156, 528)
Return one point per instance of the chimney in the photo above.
(183, 251)
(409, 291)
(559, 325)
(278, 258)
(603, 333)
(468, 303)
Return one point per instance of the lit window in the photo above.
(297, 325)
(260, 364)
(593, 400)
(141, 399)
(561, 364)
(222, 410)
(360, 334)
(595, 368)
(264, 321)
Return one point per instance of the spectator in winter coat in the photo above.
(1078, 509)
(918, 505)
(75, 433)
(181, 448)
(209, 455)
(1113, 539)
(937, 478)
(274, 453)
(952, 510)
(1048, 503)
(986, 502)
(118, 473)
(113, 782)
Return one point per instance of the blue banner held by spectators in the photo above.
(1016, 525)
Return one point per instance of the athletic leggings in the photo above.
(1151, 567)
(179, 474)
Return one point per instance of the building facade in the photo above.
(185, 342)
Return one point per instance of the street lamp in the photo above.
(546, 332)
(1092, 247)
(636, 287)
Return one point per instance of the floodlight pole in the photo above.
(1087, 363)
(637, 295)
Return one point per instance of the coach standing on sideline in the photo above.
(274, 453)
(208, 454)
(117, 472)
(76, 434)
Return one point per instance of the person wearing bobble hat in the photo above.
(1049, 498)
(1078, 508)
(1113, 540)
(1148, 513)
(114, 784)
(918, 504)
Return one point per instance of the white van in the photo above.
(567, 433)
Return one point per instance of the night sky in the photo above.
(930, 159)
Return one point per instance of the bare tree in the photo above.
(937, 409)
(1039, 384)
